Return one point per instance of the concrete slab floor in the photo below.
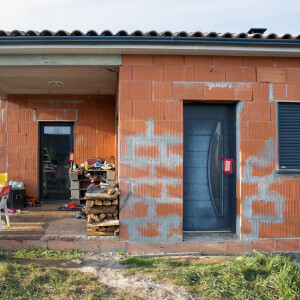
(189, 236)
(45, 223)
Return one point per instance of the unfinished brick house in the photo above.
(169, 107)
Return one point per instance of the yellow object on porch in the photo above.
(3, 176)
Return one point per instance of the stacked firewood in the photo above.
(102, 211)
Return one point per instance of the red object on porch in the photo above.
(4, 191)
(72, 205)
(4, 194)
(71, 157)
(227, 165)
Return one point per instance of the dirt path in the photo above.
(110, 272)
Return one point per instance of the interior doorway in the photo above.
(56, 142)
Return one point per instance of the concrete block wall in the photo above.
(151, 94)
(95, 131)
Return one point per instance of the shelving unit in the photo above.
(79, 185)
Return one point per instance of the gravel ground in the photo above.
(110, 272)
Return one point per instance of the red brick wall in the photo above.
(95, 131)
(151, 90)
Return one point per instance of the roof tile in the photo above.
(152, 33)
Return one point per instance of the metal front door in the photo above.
(209, 196)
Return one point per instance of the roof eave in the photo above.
(164, 40)
(149, 45)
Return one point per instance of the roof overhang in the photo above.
(149, 45)
(89, 65)
(57, 79)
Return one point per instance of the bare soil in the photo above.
(110, 272)
(107, 267)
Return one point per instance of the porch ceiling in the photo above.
(75, 80)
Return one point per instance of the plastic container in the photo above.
(16, 199)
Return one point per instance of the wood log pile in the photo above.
(102, 211)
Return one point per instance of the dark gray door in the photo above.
(208, 195)
(56, 142)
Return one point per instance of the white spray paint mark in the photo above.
(239, 107)
(166, 159)
(271, 94)
(264, 158)
(212, 85)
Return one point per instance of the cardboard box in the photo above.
(110, 175)
(75, 184)
(75, 194)
(73, 175)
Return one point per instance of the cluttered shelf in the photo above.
(99, 170)
(81, 176)
(84, 180)
(87, 179)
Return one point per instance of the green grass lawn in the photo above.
(42, 253)
(21, 279)
(258, 277)
(24, 276)
(31, 282)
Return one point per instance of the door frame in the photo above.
(40, 151)
(233, 145)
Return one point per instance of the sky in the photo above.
(278, 16)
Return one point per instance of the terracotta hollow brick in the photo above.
(147, 72)
(168, 60)
(151, 151)
(137, 59)
(271, 75)
(166, 209)
(146, 190)
(188, 91)
(179, 73)
(150, 230)
(210, 73)
(198, 60)
(240, 74)
(139, 210)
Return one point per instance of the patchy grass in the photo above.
(32, 282)
(258, 277)
(42, 253)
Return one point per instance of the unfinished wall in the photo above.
(94, 131)
(151, 94)
(269, 202)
